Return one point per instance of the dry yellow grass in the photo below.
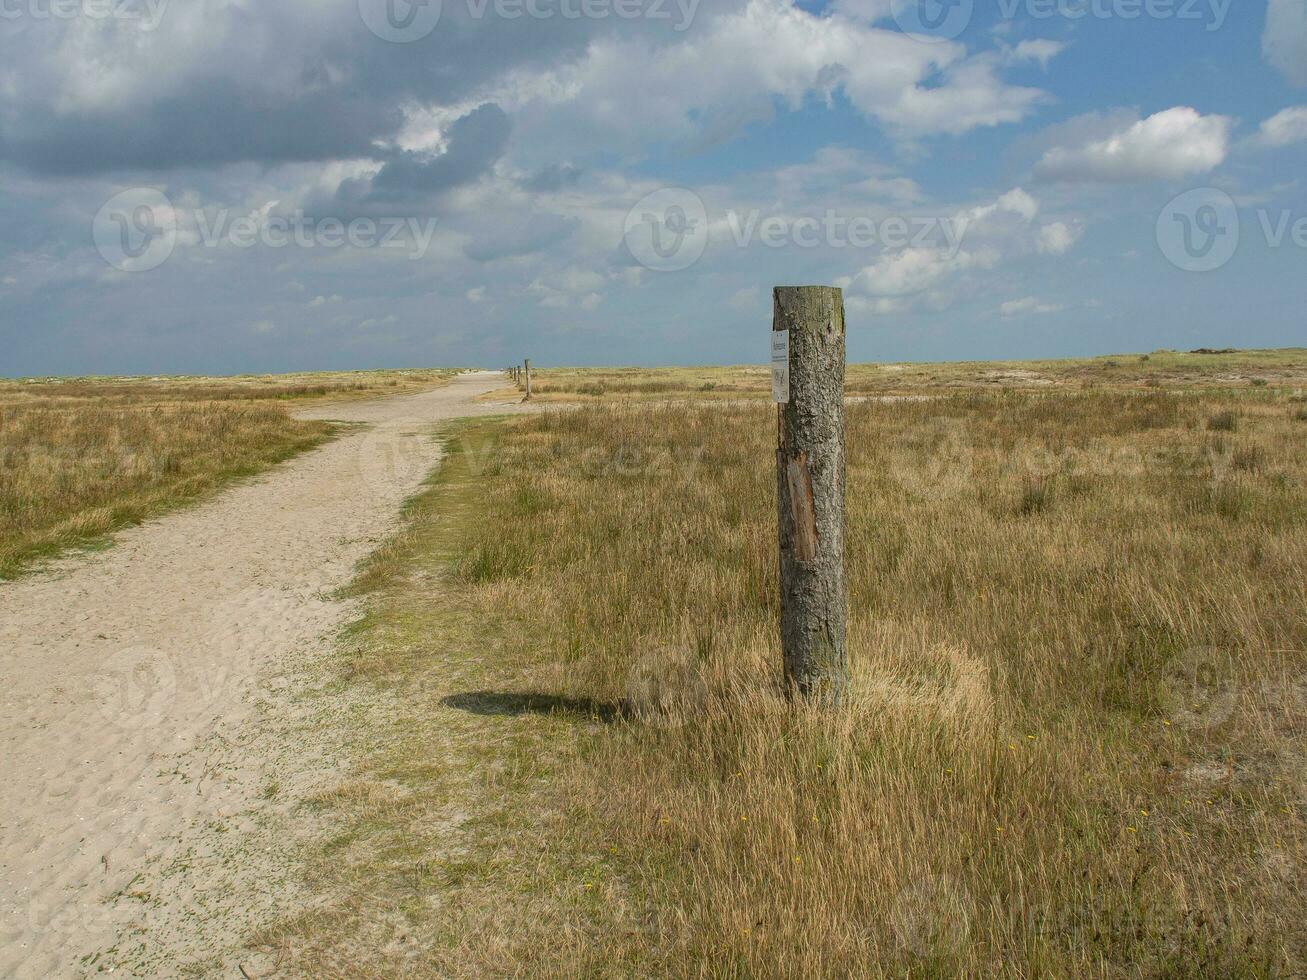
(82, 457)
(1079, 639)
(1160, 369)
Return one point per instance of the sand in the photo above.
(148, 696)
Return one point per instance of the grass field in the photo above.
(83, 457)
(1078, 627)
(1160, 369)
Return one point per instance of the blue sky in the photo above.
(229, 185)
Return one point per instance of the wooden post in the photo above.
(810, 487)
(527, 364)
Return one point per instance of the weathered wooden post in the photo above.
(527, 364)
(808, 385)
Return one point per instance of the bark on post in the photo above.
(810, 491)
(528, 378)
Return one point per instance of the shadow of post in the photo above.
(531, 703)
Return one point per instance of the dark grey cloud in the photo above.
(553, 178)
(220, 85)
(473, 144)
(280, 81)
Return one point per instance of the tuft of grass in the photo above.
(1226, 421)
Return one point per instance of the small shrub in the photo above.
(1249, 459)
(1035, 498)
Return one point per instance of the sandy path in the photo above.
(136, 684)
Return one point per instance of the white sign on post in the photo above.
(780, 366)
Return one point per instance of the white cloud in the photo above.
(1169, 145)
(1057, 238)
(1037, 49)
(1015, 201)
(994, 234)
(476, 294)
(1029, 306)
(1285, 40)
(733, 70)
(915, 270)
(747, 299)
(1285, 128)
(571, 287)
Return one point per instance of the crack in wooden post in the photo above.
(802, 510)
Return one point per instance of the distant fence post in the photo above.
(527, 364)
(808, 385)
